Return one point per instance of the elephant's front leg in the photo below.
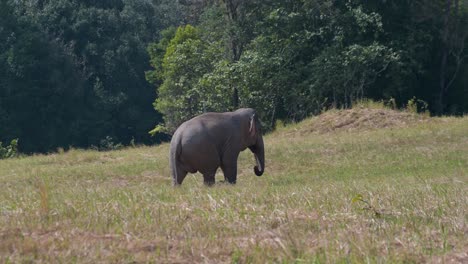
(209, 178)
(229, 168)
(230, 173)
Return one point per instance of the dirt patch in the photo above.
(359, 119)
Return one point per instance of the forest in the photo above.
(81, 73)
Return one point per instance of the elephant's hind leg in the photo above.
(178, 177)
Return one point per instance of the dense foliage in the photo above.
(73, 71)
(77, 73)
(9, 151)
(291, 59)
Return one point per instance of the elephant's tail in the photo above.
(174, 154)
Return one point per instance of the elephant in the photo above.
(212, 140)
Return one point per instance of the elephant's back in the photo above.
(209, 121)
(206, 129)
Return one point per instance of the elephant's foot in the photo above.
(225, 181)
(209, 183)
(231, 181)
(209, 180)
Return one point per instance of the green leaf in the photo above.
(357, 198)
(158, 129)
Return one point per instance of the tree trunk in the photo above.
(442, 83)
(443, 62)
(235, 44)
(454, 35)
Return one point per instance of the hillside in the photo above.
(359, 185)
(360, 119)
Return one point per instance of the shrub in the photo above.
(9, 151)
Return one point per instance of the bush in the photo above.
(108, 144)
(9, 151)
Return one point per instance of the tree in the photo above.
(453, 36)
(322, 56)
(86, 60)
(186, 60)
(415, 29)
(40, 90)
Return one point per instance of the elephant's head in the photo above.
(257, 148)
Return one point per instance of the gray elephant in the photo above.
(212, 140)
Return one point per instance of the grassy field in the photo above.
(346, 187)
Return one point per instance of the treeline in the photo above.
(73, 71)
(291, 59)
(82, 73)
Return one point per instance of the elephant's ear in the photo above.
(252, 129)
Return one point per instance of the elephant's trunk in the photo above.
(259, 153)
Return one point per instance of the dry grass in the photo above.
(411, 171)
(358, 119)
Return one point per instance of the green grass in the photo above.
(119, 206)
